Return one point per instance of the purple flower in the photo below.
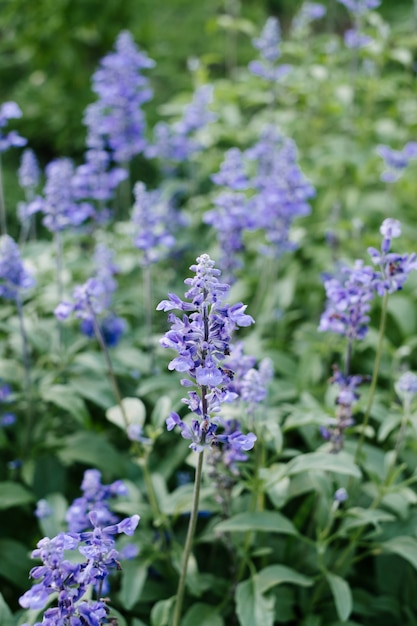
(96, 497)
(355, 39)
(14, 276)
(28, 171)
(177, 142)
(116, 121)
(9, 111)
(340, 495)
(348, 301)
(43, 509)
(59, 204)
(201, 339)
(396, 161)
(360, 7)
(154, 221)
(268, 45)
(8, 419)
(346, 398)
(407, 384)
(309, 12)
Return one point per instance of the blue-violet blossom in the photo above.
(202, 340)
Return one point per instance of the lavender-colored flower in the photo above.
(8, 419)
(340, 495)
(354, 39)
(360, 7)
(396, 161)
(9, 111)
(406, 385)
(116, 120)
(96, 497)
(268, 45)
(309, 12)
(348, 301)
(334, 432)
(68, 580)
(59, 205)
(14, 276)
(277, 194)
(177, 142)
(95, 180)
(394, 268)
(154, 221)
(43, 509)
(91, 301)
(28, 172)
(202, 340)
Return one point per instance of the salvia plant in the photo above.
(261, 421)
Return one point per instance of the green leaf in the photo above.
(134, 410)
(6, 617)
(357, 516)
(133, 578)
(161, 411)
(279, 574)
(66, 398)
(260, 521)
(15, 562)
(403, 546)
(162, 612)
(203, 615)
(91, 449)
(341, 463)
(342, 595)
(252, 607)
(13, 494)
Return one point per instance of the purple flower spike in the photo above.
(201, 339)
(9, 111)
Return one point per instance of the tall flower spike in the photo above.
(9, 111)
(202, 339)
(268, 45)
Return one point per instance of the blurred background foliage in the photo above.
(50, 48)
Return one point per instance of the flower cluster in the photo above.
(347, 395)
(154, 219)
(59, 204)
(268, 45)
(358, 9)
(116, 121)
(14, 276)
(7, 419)
(349, 294)
(250, 381)
(265, 191)
(71, 579)
(177, 142)
(396, 161)
(202, 340)
(9, 111)
(91, 302)
(95, 498)
(95, 181)
(309, 12)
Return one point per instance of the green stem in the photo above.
(375, 375)
(26, 366)
(189, 541)
(148, 312)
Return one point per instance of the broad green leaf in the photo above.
(133, 578)
(342, 595)
(6, 617)
(54, 523)
(260, 521)
(162, 612)
(341, 463)
(252, 607)
(161, 411)
(15, 562)
(91, 449)
(279, 574)
(97, 391)
(13, 494)
(65, 398)
(203, 615)
(403, 546)
(357, 516)
(133, 410)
